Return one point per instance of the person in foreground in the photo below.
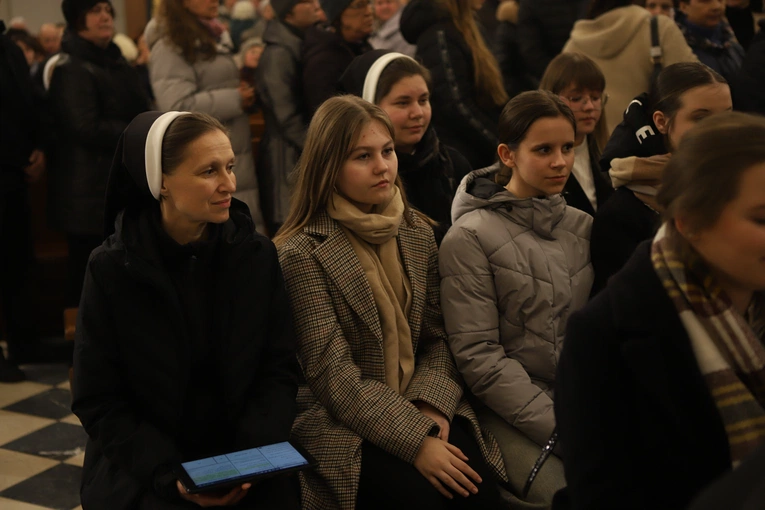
(382, 410)
(184, 346)
(661, 382)
(514, 266)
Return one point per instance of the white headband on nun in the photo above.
(373, 75)
(153, 154)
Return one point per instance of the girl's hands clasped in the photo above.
(443, 464)
(231, 498)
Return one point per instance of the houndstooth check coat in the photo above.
(346, 400)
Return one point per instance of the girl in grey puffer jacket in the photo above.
(514, 266)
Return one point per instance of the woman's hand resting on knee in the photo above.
(443, 464)
(230, 498)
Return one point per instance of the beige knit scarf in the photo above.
(728, 347)
(373, 237)
(642, 176)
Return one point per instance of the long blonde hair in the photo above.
(487, 78)
(580, 70)
(185, 31)
(332, 135)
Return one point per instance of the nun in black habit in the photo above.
(184, 346)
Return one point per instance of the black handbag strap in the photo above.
(546, 452)
(656, 54)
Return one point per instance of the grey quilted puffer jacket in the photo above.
(512, 272)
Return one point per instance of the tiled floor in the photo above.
(42, 444)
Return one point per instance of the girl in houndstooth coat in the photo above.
(382, 407)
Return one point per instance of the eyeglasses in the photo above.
(577, 103)
(361, 4)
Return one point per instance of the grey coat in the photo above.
(512, 271)
(388, 37)
(208, 86)
(280, 91)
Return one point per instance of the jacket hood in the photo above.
(418, 16)
(479, 191)
(607, 35)
(508, 11)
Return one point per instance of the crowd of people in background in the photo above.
(490, 254)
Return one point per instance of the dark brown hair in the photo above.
(581, 71)
(600, 7)
(705, 171)
(185, 31)
(674, 81)
(397, 70)
(181, 133)
(520, 114)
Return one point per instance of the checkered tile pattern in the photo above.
(42, 444)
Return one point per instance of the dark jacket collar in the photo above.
(76, 46)
(137, 236)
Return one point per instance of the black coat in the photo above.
(20, 126)
(506, 49)
(577, 198)
(133, 362)
(431, 176)
(620, 225)
(544, 27)
(636, 135)
(458, 116)
(93, 96)
(326, 55)
(637, 424)
(749, 84)
(742, 489)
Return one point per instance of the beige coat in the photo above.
(346, 400)
(619, 41)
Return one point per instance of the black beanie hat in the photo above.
(283, 7)
(334, 8)
(136, 173)
(73, 9)
(363, 73)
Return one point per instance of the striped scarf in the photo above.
(729, 353)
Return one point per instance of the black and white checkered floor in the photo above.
(42, 444)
